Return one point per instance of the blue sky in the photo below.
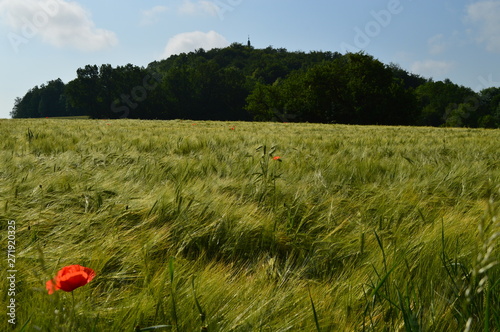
(42, 40)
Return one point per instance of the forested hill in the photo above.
(243, 83)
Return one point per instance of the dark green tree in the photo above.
(240, 82)
(205, 91)
(444, 103)
(83, 92)
(27, 107)
(52, 102)
(354, 88)
(48, 100)
(489, 110)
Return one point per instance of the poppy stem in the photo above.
(72, 311)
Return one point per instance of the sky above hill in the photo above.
(42, 40)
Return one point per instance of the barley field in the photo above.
(217, 226)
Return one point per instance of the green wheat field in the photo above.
(218, 226)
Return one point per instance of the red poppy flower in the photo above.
(70, 278)
(277, 158)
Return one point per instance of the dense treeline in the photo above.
(243, 83)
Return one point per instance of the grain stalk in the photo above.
(481, 306)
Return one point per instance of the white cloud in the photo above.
(432, 68)
(150, 16)
(437, 44)
(190, 41)
(485, 15)
(200, 7)
(57, 22)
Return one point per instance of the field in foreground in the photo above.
(214, 226)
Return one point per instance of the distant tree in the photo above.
(129, 92)
(489, 110)
(107, 92)
(232, 93)
(241, 82)
(27, 107)
(83, 92)
(261, 102)
(409, 80)
(51, 103)
(354, 88)
(446, 103)
(48, 100)
(17, 109)
(205, 92)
